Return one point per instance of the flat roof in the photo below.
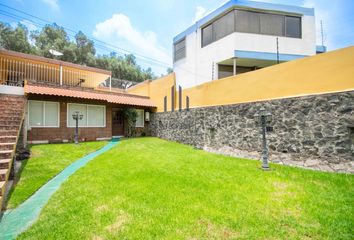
(248, 5)
(52, 61)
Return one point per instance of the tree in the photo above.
(85, 50)
(81, 50)
(169, 70)
(15, 39)
(54, 37)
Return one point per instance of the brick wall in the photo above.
(65, 133)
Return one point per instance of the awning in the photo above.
(118, 98)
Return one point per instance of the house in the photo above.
(54, 90)
(242, 36)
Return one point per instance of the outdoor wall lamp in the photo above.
(262, 118)
(77, 116)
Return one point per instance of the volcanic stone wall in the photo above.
(313, 131)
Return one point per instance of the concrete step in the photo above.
(9, 127)
(3, 174)
(9, 118)
(10, 122)
(7, 139)
(5, 154)
(7, 145)
(8, 132)
(5, 163)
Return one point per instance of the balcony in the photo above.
(16, 68)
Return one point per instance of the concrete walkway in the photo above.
(18, 220)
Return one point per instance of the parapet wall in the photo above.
(314, 132)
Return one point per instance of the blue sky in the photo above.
(147, 27)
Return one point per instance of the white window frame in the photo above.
(44, 126)
(143, 118)
(86, 106)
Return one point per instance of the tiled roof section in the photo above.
(125, 99)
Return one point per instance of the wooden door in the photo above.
(117, 122)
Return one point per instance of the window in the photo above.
(140, 118)
(251, 22)
(224, 26)
(271, 24)
(92, 115)
(179, 50)
(207, 35)
(247, 21)
(293, 27)
(43, 114)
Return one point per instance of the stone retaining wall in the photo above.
(314, 131)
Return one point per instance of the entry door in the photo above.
(117, 123)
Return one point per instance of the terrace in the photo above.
(17, 68)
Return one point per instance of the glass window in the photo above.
(179, 50)
(247, 21)
(72, 109)
(35, 113)
(224, 26)
(207, 35)
(95, 116)
(293, 26)
(51, 114)
(43, 114)
(272, 24)
(140, 118)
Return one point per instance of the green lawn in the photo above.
(45, 162)
(147, 188)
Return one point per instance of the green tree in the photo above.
(85, 50)
(15, 39)
(54, 37)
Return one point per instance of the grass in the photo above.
(148, 188)
(45, 162)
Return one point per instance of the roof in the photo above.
(117, 98)
(244, 4)
(53, 61)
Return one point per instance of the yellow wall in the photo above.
(324, 73)
(156, 90)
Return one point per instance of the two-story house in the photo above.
(242, 36)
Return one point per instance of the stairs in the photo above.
(11, 117)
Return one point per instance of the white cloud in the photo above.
(53, 4)
(119, 31)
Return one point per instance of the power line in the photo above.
(113, 47)
(92, 38)
(11, 15)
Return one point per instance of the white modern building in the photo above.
(242, 36)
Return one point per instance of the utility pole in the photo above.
(322, 37)
(277, 50)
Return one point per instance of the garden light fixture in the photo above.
(263, 118)
(77, 116)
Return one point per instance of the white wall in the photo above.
(199, 63)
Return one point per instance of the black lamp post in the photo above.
(263, 118)
(77, 116)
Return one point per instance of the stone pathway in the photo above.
(16, 221)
